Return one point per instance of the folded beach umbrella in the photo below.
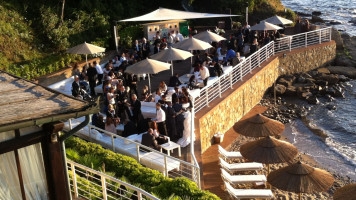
(278, 20)
(259, 126)
(301, 178)
(171, 54)
(269, 150)
(208, 36)
(265, 26)
(86, 49)
(148, 66)
(348, 192)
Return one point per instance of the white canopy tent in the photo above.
(265, 26)
(169, 14)
(278, 20)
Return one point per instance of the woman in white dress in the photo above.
(185, 140)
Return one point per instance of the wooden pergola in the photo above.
(32, 157)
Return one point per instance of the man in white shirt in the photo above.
(204, 74)
(158, 95)
(100, 72)
(160, 120)
(180, 36)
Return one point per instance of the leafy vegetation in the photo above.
(94, 156)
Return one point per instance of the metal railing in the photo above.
(303, 40)
(151, 158)
(87, 183)
(215, 89)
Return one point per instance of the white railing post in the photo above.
(165, 166)
(230, 77)
(267, 52)
(70, 124)
(250, 65)
(89, 131)
(241, 72)
(75, 186)
(139, 195)
(306, 39)
(103, 186)
(319, 36)
(113, 143)
(138, 152)
(290, 43)
(207, 95)
(219, 87)
(330, 33)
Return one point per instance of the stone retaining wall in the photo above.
(234, 106)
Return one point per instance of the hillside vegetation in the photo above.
(34, 34)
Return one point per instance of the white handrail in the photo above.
(187, 169)
(75, 168)
(256, 59)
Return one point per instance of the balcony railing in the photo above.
(151, 158)
(87, 183)
(238, 72)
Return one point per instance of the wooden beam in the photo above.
(18, 165)
(19, 142)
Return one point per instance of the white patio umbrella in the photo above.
(265, 26)
(169, 14)
(192, 44)
(209, 36)
(86, 49)
(278, 20)
(148, 66)
(171, 54)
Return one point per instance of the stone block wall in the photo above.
(306, 59)
(232, 108)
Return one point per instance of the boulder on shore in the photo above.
(323, 70)
(349, 72)
(280, 89)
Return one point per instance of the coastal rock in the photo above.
(291, 91)
(343, 78)
(316, 19)
(280, 89)
(321, 82)
(312, 100)
(323, 70)
(336, 36)
(316, 13)
(339, 92)
(285, 82)
(349, 72)
(331, 107)
(343, 61)
(330, 78)
(301, 79)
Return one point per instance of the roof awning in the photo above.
(166, 22)
(170, 14)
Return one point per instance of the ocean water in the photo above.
(342, 11)
(338, 152)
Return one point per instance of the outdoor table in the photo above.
(170, 146)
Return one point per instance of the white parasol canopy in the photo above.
(192, 44)
(86, 49)
(148, 66)
(208, 36)
(265, 26)
(278, 20)
(171, 54)
(169, 14)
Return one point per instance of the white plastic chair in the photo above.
(229, 154)
(235, 167)
(248, 193)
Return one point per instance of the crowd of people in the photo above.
(121, 101)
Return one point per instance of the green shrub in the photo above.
(129, 34)
(148, 179)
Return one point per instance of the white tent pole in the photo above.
(86, 59)
(191, 59)
(149, 82)
(172, 66)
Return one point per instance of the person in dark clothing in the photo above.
(156, 49)
(179, 119)
(92, 75)
(136, 109)
(76, 87)
(149, 140)
(132, 83)
(129, 128)
(171, 122)
(100, 122)
(212, 71)
(218, 68)
(254, 47)
(145, 48)
(174, 81)
(121, 99)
